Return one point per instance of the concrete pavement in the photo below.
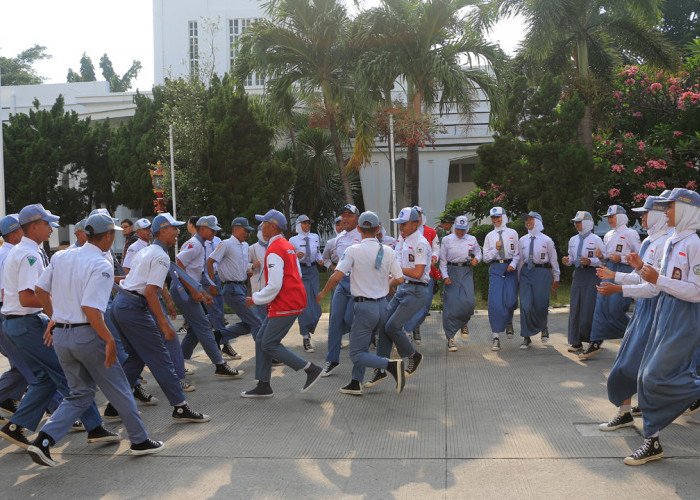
(470, 424)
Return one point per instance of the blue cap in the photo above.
(406, 214)
(336, 220)
(243, 222)
(497, 212)
(368, 220)
(462, 222)
(665, 193)
(100, 223)
(683, 195)
(534, 215)
(80, 226)
(9, 224)
(35, 212)
(418, 209)
(615, 210)
(105, 212)
(208, 221)
(142, 224)
(651, 203)
(162, 221)
(275, 217)
(350, 208)
(303, 218)
(581, 216)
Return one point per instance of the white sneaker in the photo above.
(186, 386)
(451, 345)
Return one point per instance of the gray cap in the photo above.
(100, 223)
(208, 221)
(368, 220)
(304, 218)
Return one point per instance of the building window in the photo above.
(461, 172)
(193, 46)
(236, 29)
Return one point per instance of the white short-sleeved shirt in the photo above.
(133, 249)
(256, 253)
(75, 279)
(454, 249)
(232, 256)
(416, 251)
(150, 267)
(543, 252)
(345, 239)
(4, 252)
(590, 243)
(298, 242)
(22, 269)
(653, 256)
(192, 257)
(209, 247)
(621, 241)
(330, 256)
(365, 279)
(510, 246)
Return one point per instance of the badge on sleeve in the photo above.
(677, 274)
(696, 270)
(618, 248)
(105, 275)
(31, 260)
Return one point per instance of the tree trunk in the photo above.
(412, 162)
(335, 139)
(585, 125)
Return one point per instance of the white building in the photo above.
(89, 100)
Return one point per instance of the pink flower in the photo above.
(658, 164)
(673, 81)
(655, 86)
(618, 144)
(650, 185)
(617, 95)
(628, 135)
(674, 89)
(677, 133)
(618, 151)
(499, 198)
(614, 192)
(689, 164)
(495, 186)
(629, 81)
(638, 114)
(639, 170)
(639, 197)
(482, 193)
(641, 145)
(661, 184)
(617, 168)
(691, 185)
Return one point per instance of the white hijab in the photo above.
(537, 229)
(300, 231)
(586, 227)
(622, 221)
(687, 218)
(656, 222)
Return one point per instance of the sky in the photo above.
(123, 30)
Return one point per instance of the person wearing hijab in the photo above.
(668, 383)
(256, 258)
(581, 255)
(539, 272)
(501, 250)
(308, 249)
(459, 253)
(622, 381)
(610, 317)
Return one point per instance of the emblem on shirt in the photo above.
(676, 274)
(270, 266)
(618, 248)
(31, 260)
(105, 275)
(542, 256)
(411, 258)
(420, 251)
(696, 269)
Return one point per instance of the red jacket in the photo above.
(291, 298)
(430, 234)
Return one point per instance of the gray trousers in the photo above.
(268, 345)
(81, 353)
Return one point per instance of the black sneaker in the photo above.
(78, 426)
(413, 364)
(39, 450)
(622, 419)
(354, 387)
(692, 409)
(313, 373)
(142, 380)
(545, 335)
(229, 352)
(9, 406)
(14, 434)
(260, 391)
(416, 336)
(140, 394)
(102, 435)
(451, 345)
(509, 331)
(307, 345)
(650, 450)
(465, 332)
(224, 370)
(395, 368)
(329, 367)
(496, 344)
(526, 343)
(575, 348)
(636, 412)
(147, 447)
(592, 349)
(186, 414)
(110, 413)
(378, 376)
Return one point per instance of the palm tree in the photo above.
(304, 44)
(436, 47)
(587, 38)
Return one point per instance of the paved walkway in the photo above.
(470, 424)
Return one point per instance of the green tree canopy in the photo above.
(87, 71)
(19, 70)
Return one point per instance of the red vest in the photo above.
(430, 234)
(291, 298)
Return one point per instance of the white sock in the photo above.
(625, 408)
(308, 365)
(305, 336)
(655, 435)
(182, 404)
(495, 335)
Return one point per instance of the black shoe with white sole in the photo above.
(111, 413)
(229, 352)
(692, 409)
(147, 447)
(186, 414)
(416, 336)
(636, 412)
(377, 376)
(262, 390)
(526, 343)
(144, 397)
(313, 373)
(592, 349)
(14, 434)
(545, 335)
(509, 330)
(650, 450)
(395, 368)
(622, 419)
(39, 450)
(102, 435)
(413, 364)
(465, 332)
(307, 345)
(9, 406)
(354, 388)
(78, 426)
(329, 367)
(224, 370)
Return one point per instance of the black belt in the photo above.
(416, 283)
(458, 264)
(235, 282)
(548, 265)
(366, 299)
(503, 261)
(17, 316)
(70, 325)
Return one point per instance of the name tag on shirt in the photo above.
(677, 274)
(618, 248)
